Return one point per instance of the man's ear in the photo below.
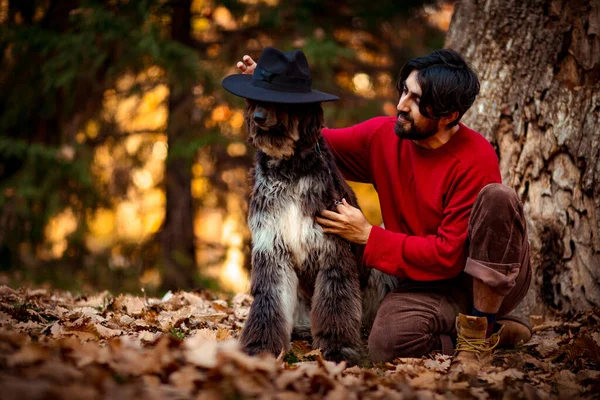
(448, 119)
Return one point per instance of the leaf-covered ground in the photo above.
(57, 346)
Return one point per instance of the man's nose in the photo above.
(260, 115)
(402, 104)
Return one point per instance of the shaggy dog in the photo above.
(303, 279)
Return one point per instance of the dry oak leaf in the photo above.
(289, 396)
(5, 290)
(550, 347)
(567, 385)
(54, 370)
(252, 385)
(497, 379)
(19, 389)
(186, 378)
(131, 305)
(201, 348)
(127, 359)
(441, 363)
(229, 351)
(6, 320)
(425, 380)
(86, 353)
(29, 354)
(544, 366)
(147, 336)
(588, 374)
(284, 380)
(98, 300)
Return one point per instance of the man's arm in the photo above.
(350, 148)
(437, 256)
(423, 258)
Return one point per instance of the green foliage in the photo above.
(39, 188)
(55, 71)
(177, 333)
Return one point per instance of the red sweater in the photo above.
(426, 196)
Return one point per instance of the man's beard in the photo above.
(413, 133)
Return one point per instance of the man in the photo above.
(453, 232)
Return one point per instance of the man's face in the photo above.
(411, 124)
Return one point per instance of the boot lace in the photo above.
(477, 346)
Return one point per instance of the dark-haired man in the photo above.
(453, 232)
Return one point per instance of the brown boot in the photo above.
(516, 332)
(473, 349)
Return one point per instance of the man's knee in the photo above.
(410, 336)
(497, 217)
(497, 195)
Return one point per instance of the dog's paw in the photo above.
(302, 333)
(254, 349)
(351, 355)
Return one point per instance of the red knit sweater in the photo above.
(426, 196)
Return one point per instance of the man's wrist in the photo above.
(367, 233)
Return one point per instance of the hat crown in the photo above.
(282, 71)
(292, 63)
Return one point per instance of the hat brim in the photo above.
(239, 85)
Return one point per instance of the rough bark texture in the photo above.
(178, 245)
(539, 65)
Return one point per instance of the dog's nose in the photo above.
(260, 116)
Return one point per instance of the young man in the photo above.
(453, 232)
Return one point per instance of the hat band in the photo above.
(279, 83)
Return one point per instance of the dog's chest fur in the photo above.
(282, 213)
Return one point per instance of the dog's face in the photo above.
(280, 129)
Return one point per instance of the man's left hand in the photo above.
(349, 222)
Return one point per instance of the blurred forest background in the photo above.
(123, 163)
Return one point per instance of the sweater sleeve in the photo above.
(432, 257)
(351, 148)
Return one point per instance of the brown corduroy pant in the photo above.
(419, 317)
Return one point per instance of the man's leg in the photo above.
(416, 319)
(498, 262)
(498, 251)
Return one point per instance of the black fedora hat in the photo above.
(279, 77)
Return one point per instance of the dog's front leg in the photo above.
(379, 285)
(336, 310)
(274, 287)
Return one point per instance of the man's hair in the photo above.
(447, 83)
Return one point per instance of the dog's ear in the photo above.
(312, 122)
(247, 118)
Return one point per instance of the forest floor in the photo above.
(54, 345)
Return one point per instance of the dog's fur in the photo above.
(301, 277)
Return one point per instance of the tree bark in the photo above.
(177, 235)
(539, 66)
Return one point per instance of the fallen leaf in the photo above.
(134, 306)
(425, 380)
(567, 384)
(29, 354)
(201, 350)
(439, 364)
(186, 378)
(497, 379)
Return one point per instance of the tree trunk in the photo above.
(539, 66)
(178, 247)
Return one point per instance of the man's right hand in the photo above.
(247, 65)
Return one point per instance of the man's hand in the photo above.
(247, 65)
(349, 222)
